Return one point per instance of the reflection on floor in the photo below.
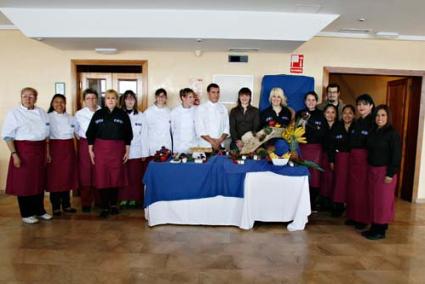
(122, 249)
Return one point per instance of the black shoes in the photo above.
(70, 210)
(104, 214)
(86, 209)
(114, 210)
(373, 235)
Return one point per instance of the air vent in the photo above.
(354, 31)
(238, 58)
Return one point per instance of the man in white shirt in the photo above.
(212, 120)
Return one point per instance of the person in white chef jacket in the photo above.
(25, 130)
(183, 123)
(88, 193)
(62, 175)
(131, 195)
(212, 120)
(158, 121)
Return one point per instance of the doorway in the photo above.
(401, 91)
(103, 75)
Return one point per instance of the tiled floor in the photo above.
(84, 249)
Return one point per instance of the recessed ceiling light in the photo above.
(106, 50)
(362, 19)
(387, 34)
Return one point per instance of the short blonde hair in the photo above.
(281, 94)
(113, 92)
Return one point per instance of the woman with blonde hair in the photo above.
(109, 137)
(278, 113)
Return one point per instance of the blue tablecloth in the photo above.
(218, 177)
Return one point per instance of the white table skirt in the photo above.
(268, 197)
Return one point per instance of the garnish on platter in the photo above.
(279, 160)
(162, 155)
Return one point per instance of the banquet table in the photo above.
(220, 192)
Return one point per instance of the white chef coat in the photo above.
(83, 117)
(158, 128)
(183, 129)
(211, 119)
(62, 126)
(26, 124)
(139, 139)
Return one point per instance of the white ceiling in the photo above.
(400, 16)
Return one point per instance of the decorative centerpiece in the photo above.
(162, 155)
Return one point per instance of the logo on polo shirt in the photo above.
(339, 136)
(364, 132)
(116, 120)
(138, 124)
(98, 121)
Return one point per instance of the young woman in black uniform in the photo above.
(384, 157)
(358, 212)
(339, 159)
(311, 118)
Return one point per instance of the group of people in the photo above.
(360, 158)
(115, 142)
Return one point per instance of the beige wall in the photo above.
(26, 62)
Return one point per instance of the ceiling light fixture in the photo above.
(108, 50)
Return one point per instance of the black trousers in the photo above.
(109, 197)
(31, 205)
(60, 198)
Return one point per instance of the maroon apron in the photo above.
(312, 152)
(327, 178)
(86, 169)
(134, 189)
(109, 168)
(342, 162)
(62, 170)
(30, 178)
(357, 195)
(381, 195)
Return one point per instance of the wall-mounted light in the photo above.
(102, 50)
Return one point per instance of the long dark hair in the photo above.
(51, 109)
(244, 91)
(389, 116)
(335, 109)
(129, 93)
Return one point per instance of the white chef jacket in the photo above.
(158, 128)
(83, 117)
(138, 144)
(211, 119)
(62, 126)
(183, 129)
(26, 124)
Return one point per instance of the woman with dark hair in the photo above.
(243, 118)
(132, 194)
(339, 158)
(25, 130)
(384, 157)
(358, 211)
(330, 113)
(109, 136)
(183, 123)
(62, 168)
(86, 170)
(158, 121)
(311, 118)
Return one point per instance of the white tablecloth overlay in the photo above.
(268, 197)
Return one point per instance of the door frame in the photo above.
(75, 90)
(421, 124)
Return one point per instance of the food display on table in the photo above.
(162, 155)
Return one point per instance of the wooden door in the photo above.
(403, 99)
(120, 82)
